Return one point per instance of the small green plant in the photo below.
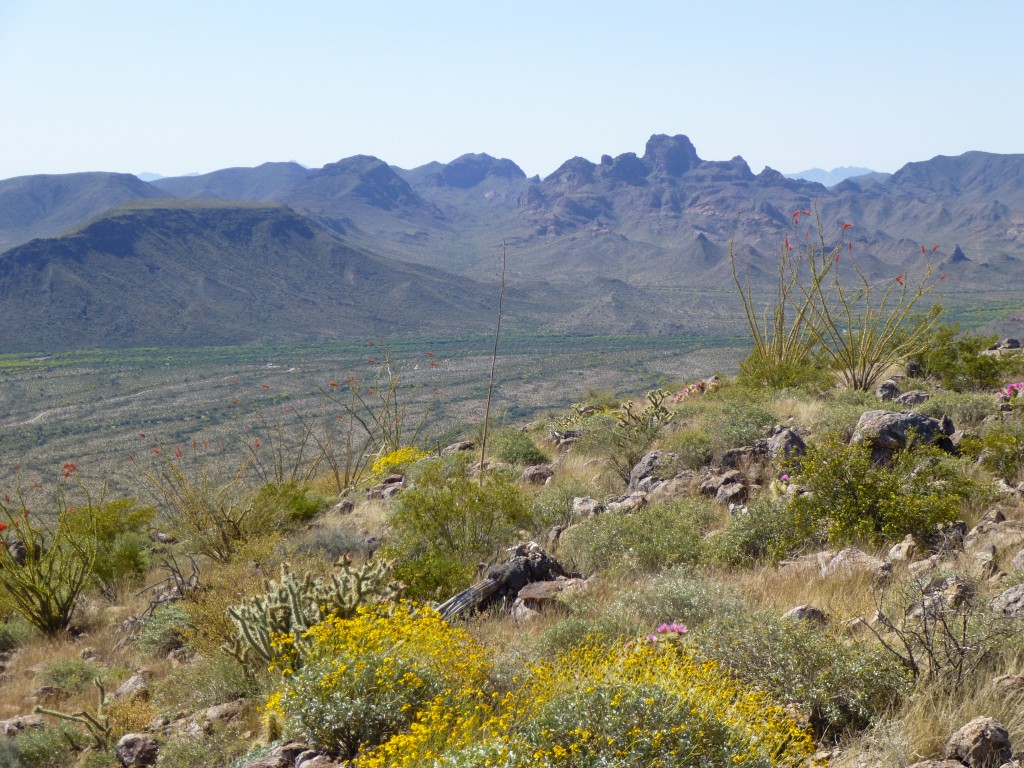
(764, 531)
(70, 675)
(291, 501)
(122, 548)
(647, 540)
(13, 632)
(44, 569)
(40, 748)
(1002, 450)
(270, 628)
(954, 357)
(517, 447)
(164, 630)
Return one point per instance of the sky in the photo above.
(196, 85)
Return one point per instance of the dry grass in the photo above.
(800, 412)
(841, 596)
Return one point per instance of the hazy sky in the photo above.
(197, 85)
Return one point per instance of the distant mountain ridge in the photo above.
(833, 177)
(635, 242)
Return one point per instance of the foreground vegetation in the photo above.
(223, 607)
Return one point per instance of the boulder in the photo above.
(1011, 602)
(343, 507)
(982, 743)
(903, 552)
(538, 474)
(584, 506)
(937, 764)
(136, 749)
(786, 443)
(731, 493)
(1017, 564)
(806, 613)
(745, 456)
(1009, 685)
(853, 559)
(912, 398)
(11, 728)
(887, 390)
(653, 464)
(887, 432)
(462, 445)
(631, 503)
(136, 686)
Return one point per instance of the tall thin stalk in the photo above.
(494, 362)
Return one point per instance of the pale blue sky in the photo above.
(196, 85)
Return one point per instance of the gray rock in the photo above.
(343, 507)
(731, 493)
(903, 552)
(913, 398)
(1011, 602)
(537, 475)
(654, 464)
(1017, 564)
(136, 686)
(852, 559)
(937, 764)
(744, 456)
(887, 390)
(12, 727)
(887, 432)
(786, 443)
(462, 445)
(1009, 685)
(806, 613)
(136, 749)
(982, 743)
(584, 506)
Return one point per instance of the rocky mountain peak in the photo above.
(670, 155)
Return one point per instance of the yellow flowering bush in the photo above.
(396, 461)
(655, 703)
(366, 678)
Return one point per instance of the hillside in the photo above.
(208, 274)
(637, 242)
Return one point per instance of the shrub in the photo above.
(447, 518)
(844, 685)
(648, 540)
(122, 548)
(57, 564)
(553, 503)
(853, 498)
(647, 704)
(289, 500)
(43, 748)
(213, 749)
(954, 357)
(517, 447)
(966, 409)
(367, 677)
(1002, 450)
(396, 462)
(164, 630)
(70, 676)
(13, 632)
(765, 530)
(208, 681)
(694, 447)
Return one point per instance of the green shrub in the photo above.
(42, 748)
(954, 356)
(164, 630)
(693, 446)
(122, 547)
(516, 447)
(449, 521)
(765, 530)
(843, 409)
(289, 501)
(1002, 451)
(844, 685)
(853, 499)
(679, 595)
(553, 503)
(70, 676)
(213, 749)
(13, 632)
(208, 681)
(648, 540)
(966, 409)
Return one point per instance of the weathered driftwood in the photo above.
(503, 581)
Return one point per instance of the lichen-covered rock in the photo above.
(653, 464)
(786, 443)
(982, 743)
(1011, 602)
(135, 749)
(806, 613)
(538, 474)
(887, 432)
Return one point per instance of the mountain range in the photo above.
(629, 244)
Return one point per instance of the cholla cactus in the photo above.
(269, 628)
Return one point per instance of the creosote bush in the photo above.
(853, 499)
(516, 447)
(447, 521)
